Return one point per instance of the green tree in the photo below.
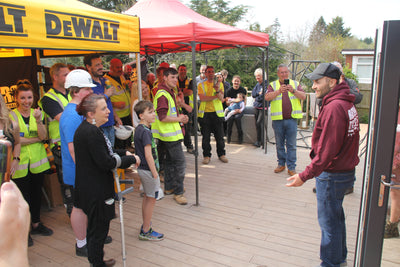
(111, 5)
(368, 40)
(219, 10)
(336, 28)
(318, 32)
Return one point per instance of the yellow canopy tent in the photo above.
(66, 25)
(57, 28)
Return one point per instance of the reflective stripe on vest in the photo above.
(276, 104)
(217, 106)
(32, 156)
(166, 131)
(53, 125)
(120, 94)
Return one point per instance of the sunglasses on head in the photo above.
(24, 82)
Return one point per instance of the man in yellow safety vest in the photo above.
(285, 95)
(167, 130)
(53, 104)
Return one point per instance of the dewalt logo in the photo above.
(60, 25)
(11, 20)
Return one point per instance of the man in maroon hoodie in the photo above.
(334, 156)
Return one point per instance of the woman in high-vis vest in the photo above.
(33, 160)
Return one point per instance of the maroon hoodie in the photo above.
(335, 138)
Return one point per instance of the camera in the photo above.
(286, 81)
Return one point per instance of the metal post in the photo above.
(196, 146)
(266, 119)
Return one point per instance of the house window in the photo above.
(362, 67)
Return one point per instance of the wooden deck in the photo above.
(246, 217)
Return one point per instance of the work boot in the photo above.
(224, 159)
(279, 169)
(180, 199)
(391, 229)
(206, 160)
(291, 172)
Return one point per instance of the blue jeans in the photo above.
(286, 133)
(330, 193)
(109, 131)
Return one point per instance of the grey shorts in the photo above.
(150, 185)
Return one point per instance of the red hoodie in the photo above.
(336, 135)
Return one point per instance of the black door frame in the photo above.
(382, 133)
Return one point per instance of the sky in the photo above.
(296, 17)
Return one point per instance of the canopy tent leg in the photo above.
(196, 146)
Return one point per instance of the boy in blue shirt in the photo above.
(145, 148)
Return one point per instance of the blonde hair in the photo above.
(4, 115)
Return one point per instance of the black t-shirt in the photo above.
(182, 84)
(232, 93)
(52, 107)
(142, 138)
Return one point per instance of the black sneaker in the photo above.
(41, 230)
(30, 241)
(81, 252)
(108, 240)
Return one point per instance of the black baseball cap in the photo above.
(325, 70)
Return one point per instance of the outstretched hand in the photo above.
(296, 181)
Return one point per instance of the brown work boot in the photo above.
(291, 172)
(391, 229)
(180, 199)
(224, 159)
(206, 160)
(279, 169)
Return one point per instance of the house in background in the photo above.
(361, 63)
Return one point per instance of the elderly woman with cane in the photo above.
(94, 180)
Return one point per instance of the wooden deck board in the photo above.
(246, 217)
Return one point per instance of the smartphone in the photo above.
(286, 81)
(6, 159)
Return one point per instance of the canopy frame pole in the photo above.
(196, 146)
(264, 92)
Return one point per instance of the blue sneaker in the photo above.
(150, 235)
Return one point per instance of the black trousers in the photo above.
(174, 165)
(211, 123)
(31, 188)
(187, 140)
(237, 119)
(259, 121)
(97, 231)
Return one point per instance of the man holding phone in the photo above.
(285, 95)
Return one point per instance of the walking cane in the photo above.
(121, 213)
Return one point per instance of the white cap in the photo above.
(79, 78)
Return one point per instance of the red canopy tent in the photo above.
(168, 26)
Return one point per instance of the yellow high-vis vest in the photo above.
(216, 102)
(166, 131)
(276, 104)
(33, 156)
(121, 94)
(53, 124)
(187, 81)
